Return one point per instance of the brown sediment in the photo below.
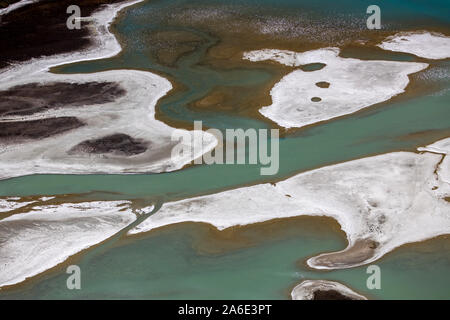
(237, 33)
(430, 135)
(243, 36)
(369, 51)
(243, 100)
(239, 101)
(244, 31)
(323, 84)
(31, 98)
(39, 29)
(215, 100)
(436, 244)
(364, 249)
(358, 253)
(207, 239)
(118, 143)
(417, 86)
(18, 131)
(167, 47)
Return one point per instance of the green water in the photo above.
(370, 132)
(165, 265)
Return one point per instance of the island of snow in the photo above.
(422, 44)
(341, 87)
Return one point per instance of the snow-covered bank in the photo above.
(353, 84)
(380, 202)
(307, 289)
(132, 115)
(33, 242)
(423, 44)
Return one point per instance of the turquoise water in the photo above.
(165, 265)
(371, 132)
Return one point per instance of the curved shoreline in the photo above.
(379, 202)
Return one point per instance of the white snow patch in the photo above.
(354, 84)
(388, 198)
(422, 44)
(33, 242)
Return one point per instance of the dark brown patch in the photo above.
(118, 143)
(330, 295)
(316, 99)
(40, 29)
(37, 129)
(31, 98)
(169, 46)
(323, 84)
(372, 244)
